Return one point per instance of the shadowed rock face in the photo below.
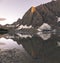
(27, 18)
(47, 15)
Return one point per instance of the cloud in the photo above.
(2, 19)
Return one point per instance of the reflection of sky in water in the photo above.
(9, 44)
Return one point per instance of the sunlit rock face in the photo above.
(33, 9)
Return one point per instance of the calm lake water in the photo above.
(43, 46)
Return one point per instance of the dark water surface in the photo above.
(40, 48)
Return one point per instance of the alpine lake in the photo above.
(41, 47)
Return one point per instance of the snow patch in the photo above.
(44, 26)
(24, 36)
(24, 26)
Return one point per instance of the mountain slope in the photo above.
(32, 17)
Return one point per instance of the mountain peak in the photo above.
(33, 9)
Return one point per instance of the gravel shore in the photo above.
(15, 56)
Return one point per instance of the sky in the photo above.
(11, 10)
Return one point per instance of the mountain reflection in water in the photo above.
(43, 46)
